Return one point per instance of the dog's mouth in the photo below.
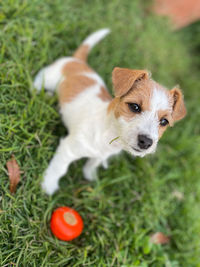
(137, 150)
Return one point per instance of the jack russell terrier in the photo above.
(99, 126)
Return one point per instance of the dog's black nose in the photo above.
(144, 142)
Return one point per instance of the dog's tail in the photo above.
(84, 49)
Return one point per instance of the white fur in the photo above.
(91, 124)
(159, 100)
(92, 129)
(90, 133)
(96, 37)
(50, 76)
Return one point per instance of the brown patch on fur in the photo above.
(113, 106)
(75, 67)
(140, 94)
(82, 52)
(178, 109)
(73, 86)
(167, 115)
(124, 79)
(104, 95)
(161, 130)
(75, 82)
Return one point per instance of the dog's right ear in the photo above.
(124, 79)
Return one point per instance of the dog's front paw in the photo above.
(49, 186)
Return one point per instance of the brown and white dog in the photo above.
(99, 126)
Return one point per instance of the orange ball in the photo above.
(66, 224)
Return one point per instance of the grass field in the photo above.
(134, 197)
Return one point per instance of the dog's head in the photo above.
(143, 109)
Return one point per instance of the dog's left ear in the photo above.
(124, 79)
(179, 110)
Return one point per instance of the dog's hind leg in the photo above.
(67, 151)
(50, 76)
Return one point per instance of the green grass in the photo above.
(134, 197)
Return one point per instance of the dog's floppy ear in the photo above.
(124, 79)
(179, 110)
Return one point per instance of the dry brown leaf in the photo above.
(178, 195)
(159, 238)
(14, 173)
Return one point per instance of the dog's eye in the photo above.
(134, 107)
(163, 122)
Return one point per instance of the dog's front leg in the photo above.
(67, 151)
(90, 168)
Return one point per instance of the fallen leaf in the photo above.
(79, 190)
(159, 238)
(14, 173)
(177, 194)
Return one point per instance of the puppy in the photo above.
(99, 126)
